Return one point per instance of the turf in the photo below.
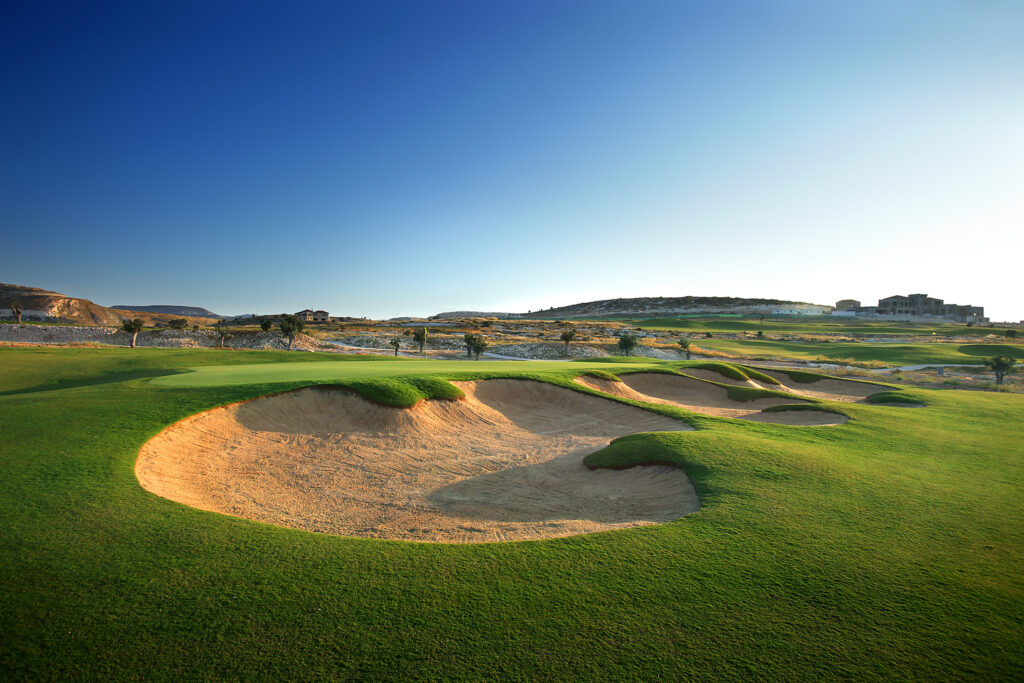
(890, 546)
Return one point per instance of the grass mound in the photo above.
(802, 376)
(893, 397)
(753, 393)
(404, 392)
(601, 374)
(617, 359)
(740, 372)
(755, 374)
(724, 369)
(646, 448)
(801, 406)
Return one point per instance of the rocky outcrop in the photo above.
(175, 339)
(55, 307)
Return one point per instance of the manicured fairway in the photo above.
(888, 547)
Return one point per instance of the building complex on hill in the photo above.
(311, 316)
(913, 305)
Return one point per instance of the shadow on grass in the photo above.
(111, 378)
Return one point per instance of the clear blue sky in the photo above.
(403, 158)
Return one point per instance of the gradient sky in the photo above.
(405, 158)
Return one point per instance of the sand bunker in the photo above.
(503, 464)
(702, 397)
(843, 390)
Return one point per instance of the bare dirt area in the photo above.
(505, 463)
(706, 398)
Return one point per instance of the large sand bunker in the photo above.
(504, 464)
(703, 397)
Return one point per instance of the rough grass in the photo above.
(892, 545)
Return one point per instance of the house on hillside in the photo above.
(847, 305)
(922, 304)
(311, 316)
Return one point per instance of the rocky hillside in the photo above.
(193, 311)
(653, 306)
(55, 307)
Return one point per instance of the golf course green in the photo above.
(890, 546)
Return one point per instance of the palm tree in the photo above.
(16, 310)
(395, 343)
(1000, 365)
(133, 327)
(290, 326)
(567, 337)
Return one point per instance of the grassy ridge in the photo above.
(892, 543)
(812, 325)
(894, 354)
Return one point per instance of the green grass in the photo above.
(893, 354)
(890, 546)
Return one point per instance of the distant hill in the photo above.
(659, 306)
(194, 311)
(56, 307)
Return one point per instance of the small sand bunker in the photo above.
(504, 464)
(706, 398)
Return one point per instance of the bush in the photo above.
(178, 324)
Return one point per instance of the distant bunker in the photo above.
(503, 464)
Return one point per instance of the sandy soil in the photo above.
(503, 464)
(701, 397)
